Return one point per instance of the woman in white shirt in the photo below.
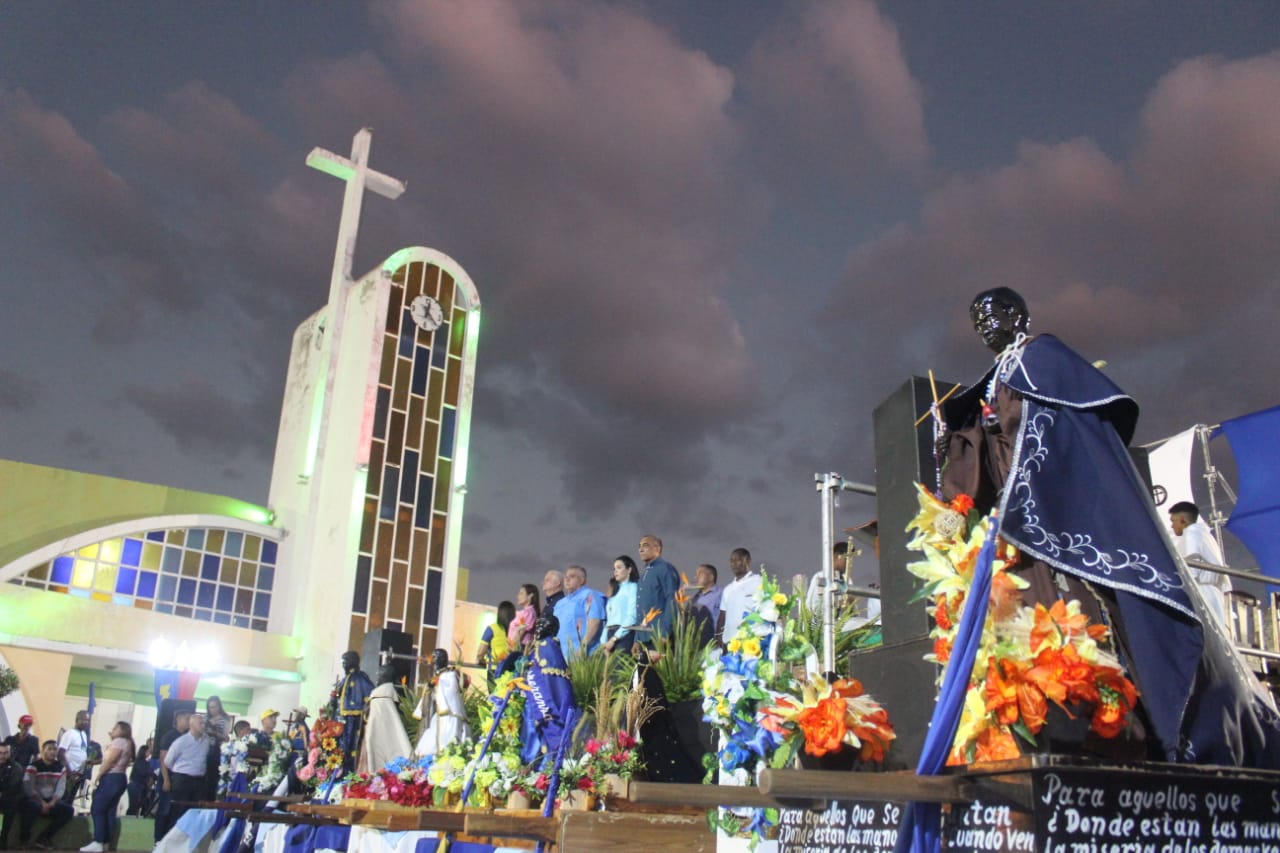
(620, 610)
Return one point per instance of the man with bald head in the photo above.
(552, 590)
(659, 582)
(580, 612)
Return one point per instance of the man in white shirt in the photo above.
(740, 597)
(73, 752)
(1195, 541)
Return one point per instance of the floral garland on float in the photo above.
(404, 781)
(324, 754)
(1027, 657)
(765, 700)
(276, 767)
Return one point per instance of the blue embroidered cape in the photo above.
(1074, 500)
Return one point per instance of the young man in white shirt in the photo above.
(740, 597)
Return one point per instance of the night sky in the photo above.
(709, 237)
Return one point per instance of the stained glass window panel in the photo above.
(126, 580)
(448, 421)
(131, 552)
(61, 573)
(269, 552)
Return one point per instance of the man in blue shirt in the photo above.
(581, 614)
(659, 582)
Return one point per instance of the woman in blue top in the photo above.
(621, 608)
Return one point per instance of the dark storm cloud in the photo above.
(1158, 253)
(200, 418)
(77, 202)
(17, 392)
(829, 85)
(583, 155)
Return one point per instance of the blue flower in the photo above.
(734, 755)
(760, 822)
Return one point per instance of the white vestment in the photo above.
(384, 735)
(448, 715)
(1197, 543)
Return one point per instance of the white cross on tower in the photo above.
(359, 176)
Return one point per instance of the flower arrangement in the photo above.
(828, 716)
(448, 773)
(618, 754)
(496, 774)
(403, 781)
(1028, 656)
(579, 773)
(324, 753)
(234, 761)
(765, 711)
(277, 765)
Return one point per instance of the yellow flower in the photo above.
(734, 645)
(751, 647)
(779, 598)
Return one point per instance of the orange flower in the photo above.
(1006, 598)
(1056, 625)
(962, 503)
(1063, 676)
(874, 732)
(823, 726)
(651, 615)
(942, 649)
(941, 616)
(1116, 695)
(1002, 690)
(996, 744)
(847, 688)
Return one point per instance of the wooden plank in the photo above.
(500, 825)
(834, 785)
(441, 821)
(635, 833)
(291, 819)
(704, 796)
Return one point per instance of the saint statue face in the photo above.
(998, 316)
(350, 661)
(387, 675)
(439, 659)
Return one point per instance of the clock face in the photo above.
(427, 313)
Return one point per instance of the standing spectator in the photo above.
(621, 608)
(581, 614)
(219, 725)
(112, 782)
(1193, 540)
(520, 632)
(10, 791)
(187, 761)
(741, 596)
(494, 651)
(659, 583)
(164, 798)
(43, 787)
(553, 589)
(142, 780)
(23, 745)
(74, 749)
(704, 602)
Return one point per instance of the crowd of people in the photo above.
(45, 779)
(641, 602)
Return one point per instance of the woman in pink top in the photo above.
(112, 782)
(520, 631)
